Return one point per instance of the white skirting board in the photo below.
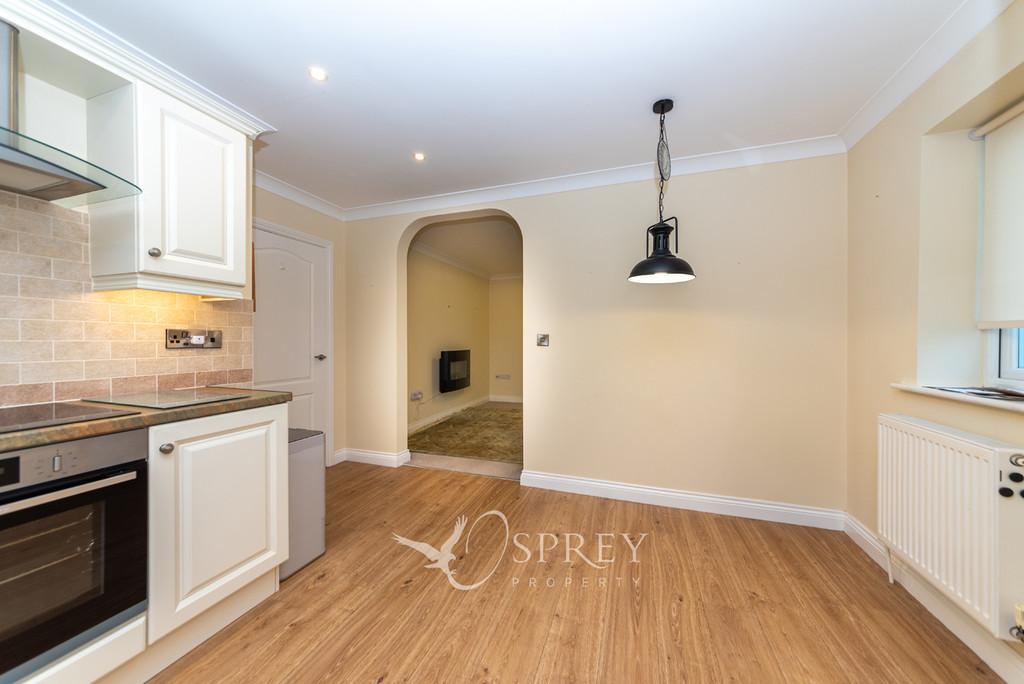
(506, 399)
(447, 413)
(998, 655)
(381, 458)
(773, 511)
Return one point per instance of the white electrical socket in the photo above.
(197, 340)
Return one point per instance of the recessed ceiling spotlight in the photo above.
(419, 156)
(318, 73)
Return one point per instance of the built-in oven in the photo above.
(72, 546)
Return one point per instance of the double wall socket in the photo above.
(193, 339)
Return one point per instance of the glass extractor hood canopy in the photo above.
(33, 168)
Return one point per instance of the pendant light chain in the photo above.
(661, 178)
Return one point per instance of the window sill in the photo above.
(1016, 407)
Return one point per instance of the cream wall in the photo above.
(448, 308)
(276, 209)
(885, 229)
(506, 338)
(733, 384)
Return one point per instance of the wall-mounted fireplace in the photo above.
(454, 370)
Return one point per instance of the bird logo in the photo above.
(441, 560)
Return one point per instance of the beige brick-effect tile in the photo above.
(25, 221)
(133, 384)
(132, 350)
(50, 209)
(20, 352)
(81, 389)
(153, 298)
(227, 362)
(195, 363)
(51, 330)
(24, 264)
(70, 230)
(240, 319)
(205, 378)
(50, 247)
(9, 330)
(114, 296)
(108, 369)
(8, 285)
(170, 317)
(17, 307)
(240, 375)
(46, 288)
(9, 374)
(241, 348)
(132, 313)
(81, 311)
(15, 395)
(8, 199)
(72, 270)
(156, 366)
(150, 331)
(8, 241)
(176, 381)
(51, 371)
(79, 350)
(103, 330)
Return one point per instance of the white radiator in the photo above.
(948, 506)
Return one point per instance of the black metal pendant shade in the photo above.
(661, 265)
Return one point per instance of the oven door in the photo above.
(72, 564)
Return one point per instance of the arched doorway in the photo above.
(461, 342)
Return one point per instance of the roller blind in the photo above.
(1001, 280)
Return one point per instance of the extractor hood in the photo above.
(31, 167)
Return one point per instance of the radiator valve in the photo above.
(1017, 631)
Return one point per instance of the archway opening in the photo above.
(463, 351)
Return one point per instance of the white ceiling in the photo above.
(507, 91)
(487, 247)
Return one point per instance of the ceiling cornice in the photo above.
(307, 199)
(446, 259)
(959, 29)
(63, 26)
(701, 163)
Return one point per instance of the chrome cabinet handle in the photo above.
(155, 252)
(320, 357)
(166, 448)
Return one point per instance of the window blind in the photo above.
(1001, 278)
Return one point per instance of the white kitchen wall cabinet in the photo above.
(218, 510)
(188, 230)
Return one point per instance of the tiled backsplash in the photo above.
(59, 340)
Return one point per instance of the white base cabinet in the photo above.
(218, 510)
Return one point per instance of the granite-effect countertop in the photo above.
(146, 417)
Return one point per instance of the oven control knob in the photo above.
(166, 448)
(1017, 460)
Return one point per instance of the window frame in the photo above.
(1003, 367)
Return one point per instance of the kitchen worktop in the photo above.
(146, 417)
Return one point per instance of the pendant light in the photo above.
(660, 264)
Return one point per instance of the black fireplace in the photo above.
(454, 367)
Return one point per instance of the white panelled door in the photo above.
(291, 335)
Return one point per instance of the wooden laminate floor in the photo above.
(710, 599)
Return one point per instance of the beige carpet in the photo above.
(491, 431)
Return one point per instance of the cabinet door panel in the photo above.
(193, 175)
(218, 510)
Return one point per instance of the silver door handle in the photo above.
(166, 448)
(34, 501)
(320, 357)
(155, 252)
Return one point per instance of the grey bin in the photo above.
(305, 499)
